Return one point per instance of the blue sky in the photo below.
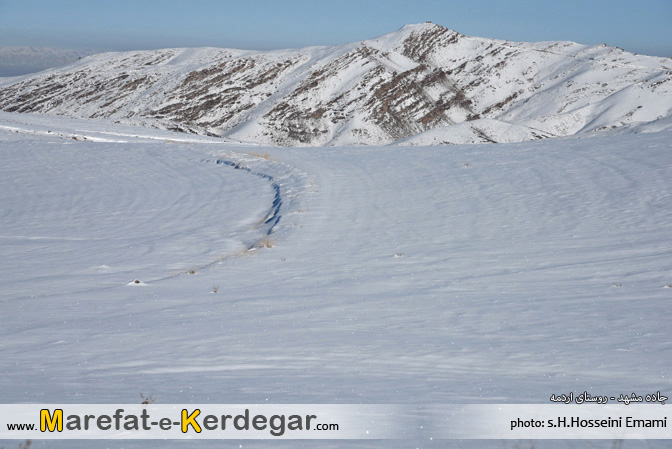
(639, 26)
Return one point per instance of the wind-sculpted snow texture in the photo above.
(416, 276)
(145, 207)
(421, 85)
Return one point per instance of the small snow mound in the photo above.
(137, 283)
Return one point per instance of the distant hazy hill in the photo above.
(22, 60)
(422, 84)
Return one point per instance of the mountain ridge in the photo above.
(422, 84)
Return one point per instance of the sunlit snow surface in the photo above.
(420, 275)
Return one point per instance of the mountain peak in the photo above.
(422, 26)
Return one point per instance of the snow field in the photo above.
(418, 275)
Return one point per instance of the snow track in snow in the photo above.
(98, 215)
(273, 216)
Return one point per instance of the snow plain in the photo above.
(499, 273)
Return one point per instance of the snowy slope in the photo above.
(481, 130)
(420, 78)
(455, 274)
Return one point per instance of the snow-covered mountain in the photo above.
(423, 84)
